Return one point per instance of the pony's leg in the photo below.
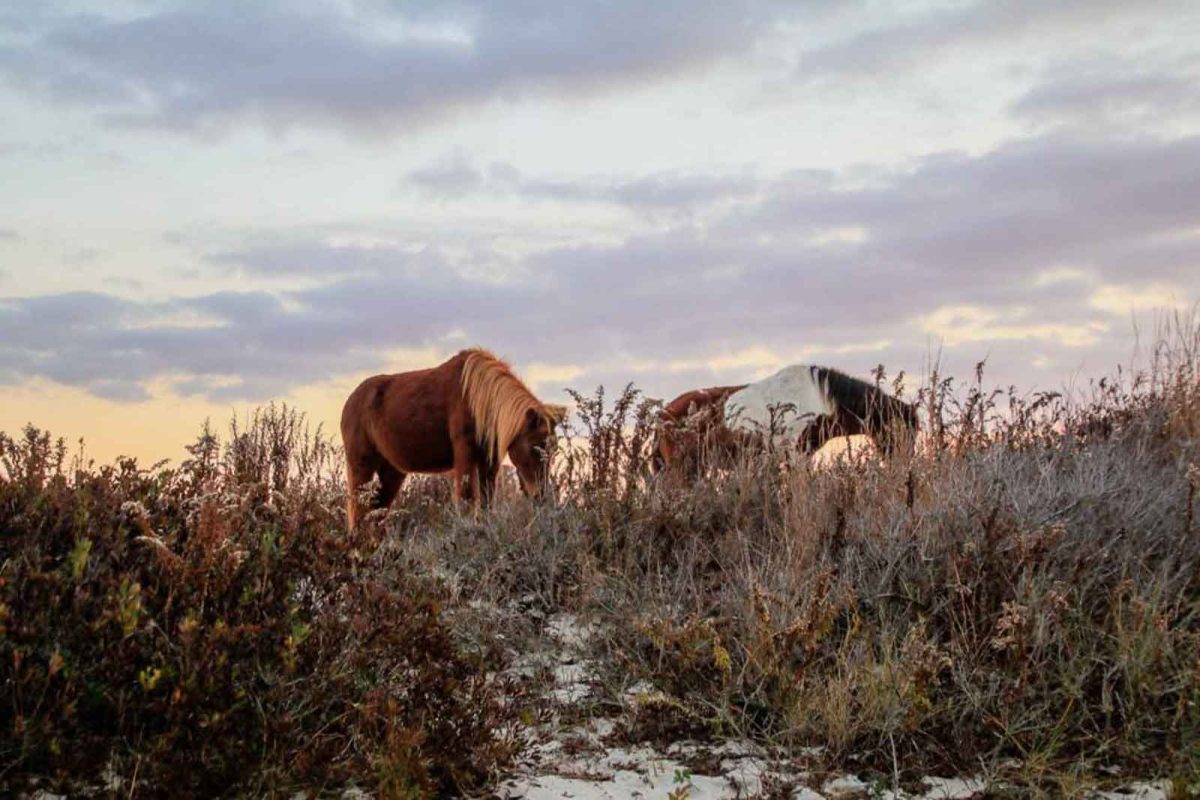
(464, 488)
(487, 483)
(390, 481)
(358, 473)
(827, 427)
(466, 480)
(466, 474)
(814, 437)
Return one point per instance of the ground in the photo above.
(576, 752)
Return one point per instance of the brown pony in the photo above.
(462, 416)
(817, 404)
(691, 425)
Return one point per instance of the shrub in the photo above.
(1024, 589)
(212, 628)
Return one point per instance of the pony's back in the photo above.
(794, 394)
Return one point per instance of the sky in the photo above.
(209, 206)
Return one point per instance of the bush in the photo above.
(1024, 589)
(212, 628)
(1020, 596)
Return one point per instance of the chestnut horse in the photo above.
(691, 425)
(462, 416)
(806, 404)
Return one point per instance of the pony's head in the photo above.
(509, 420)
(682, 444)
(533, 446)
(671, 441)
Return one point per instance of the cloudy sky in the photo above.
(204, 206)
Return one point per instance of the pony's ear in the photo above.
(555, 413)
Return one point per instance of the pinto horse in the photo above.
(462, 416)
(806, 404)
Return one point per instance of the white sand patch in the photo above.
(569, 631)
(805, 793)
(581, 760)
(845, 787)
(1158, 790)
(953, 788)
(573, 682)
(640, 772)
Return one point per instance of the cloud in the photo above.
(311, 258)
(956, 325)
(1106, 96)
(1126, 298)
(369, 67)
(907, 43)
(9, 235)
(452, 176)
(239, 344)
(1031, 204)
(1037, 248)
(455, 175)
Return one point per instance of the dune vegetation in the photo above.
(1019, 598)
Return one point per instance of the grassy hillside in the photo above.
(1021, 597)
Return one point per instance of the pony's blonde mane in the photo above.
(499, 401)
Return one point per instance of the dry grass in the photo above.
(1020, 597)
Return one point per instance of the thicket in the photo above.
(212, 629)
(1019, 596)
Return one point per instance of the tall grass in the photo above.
(1021, 594)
